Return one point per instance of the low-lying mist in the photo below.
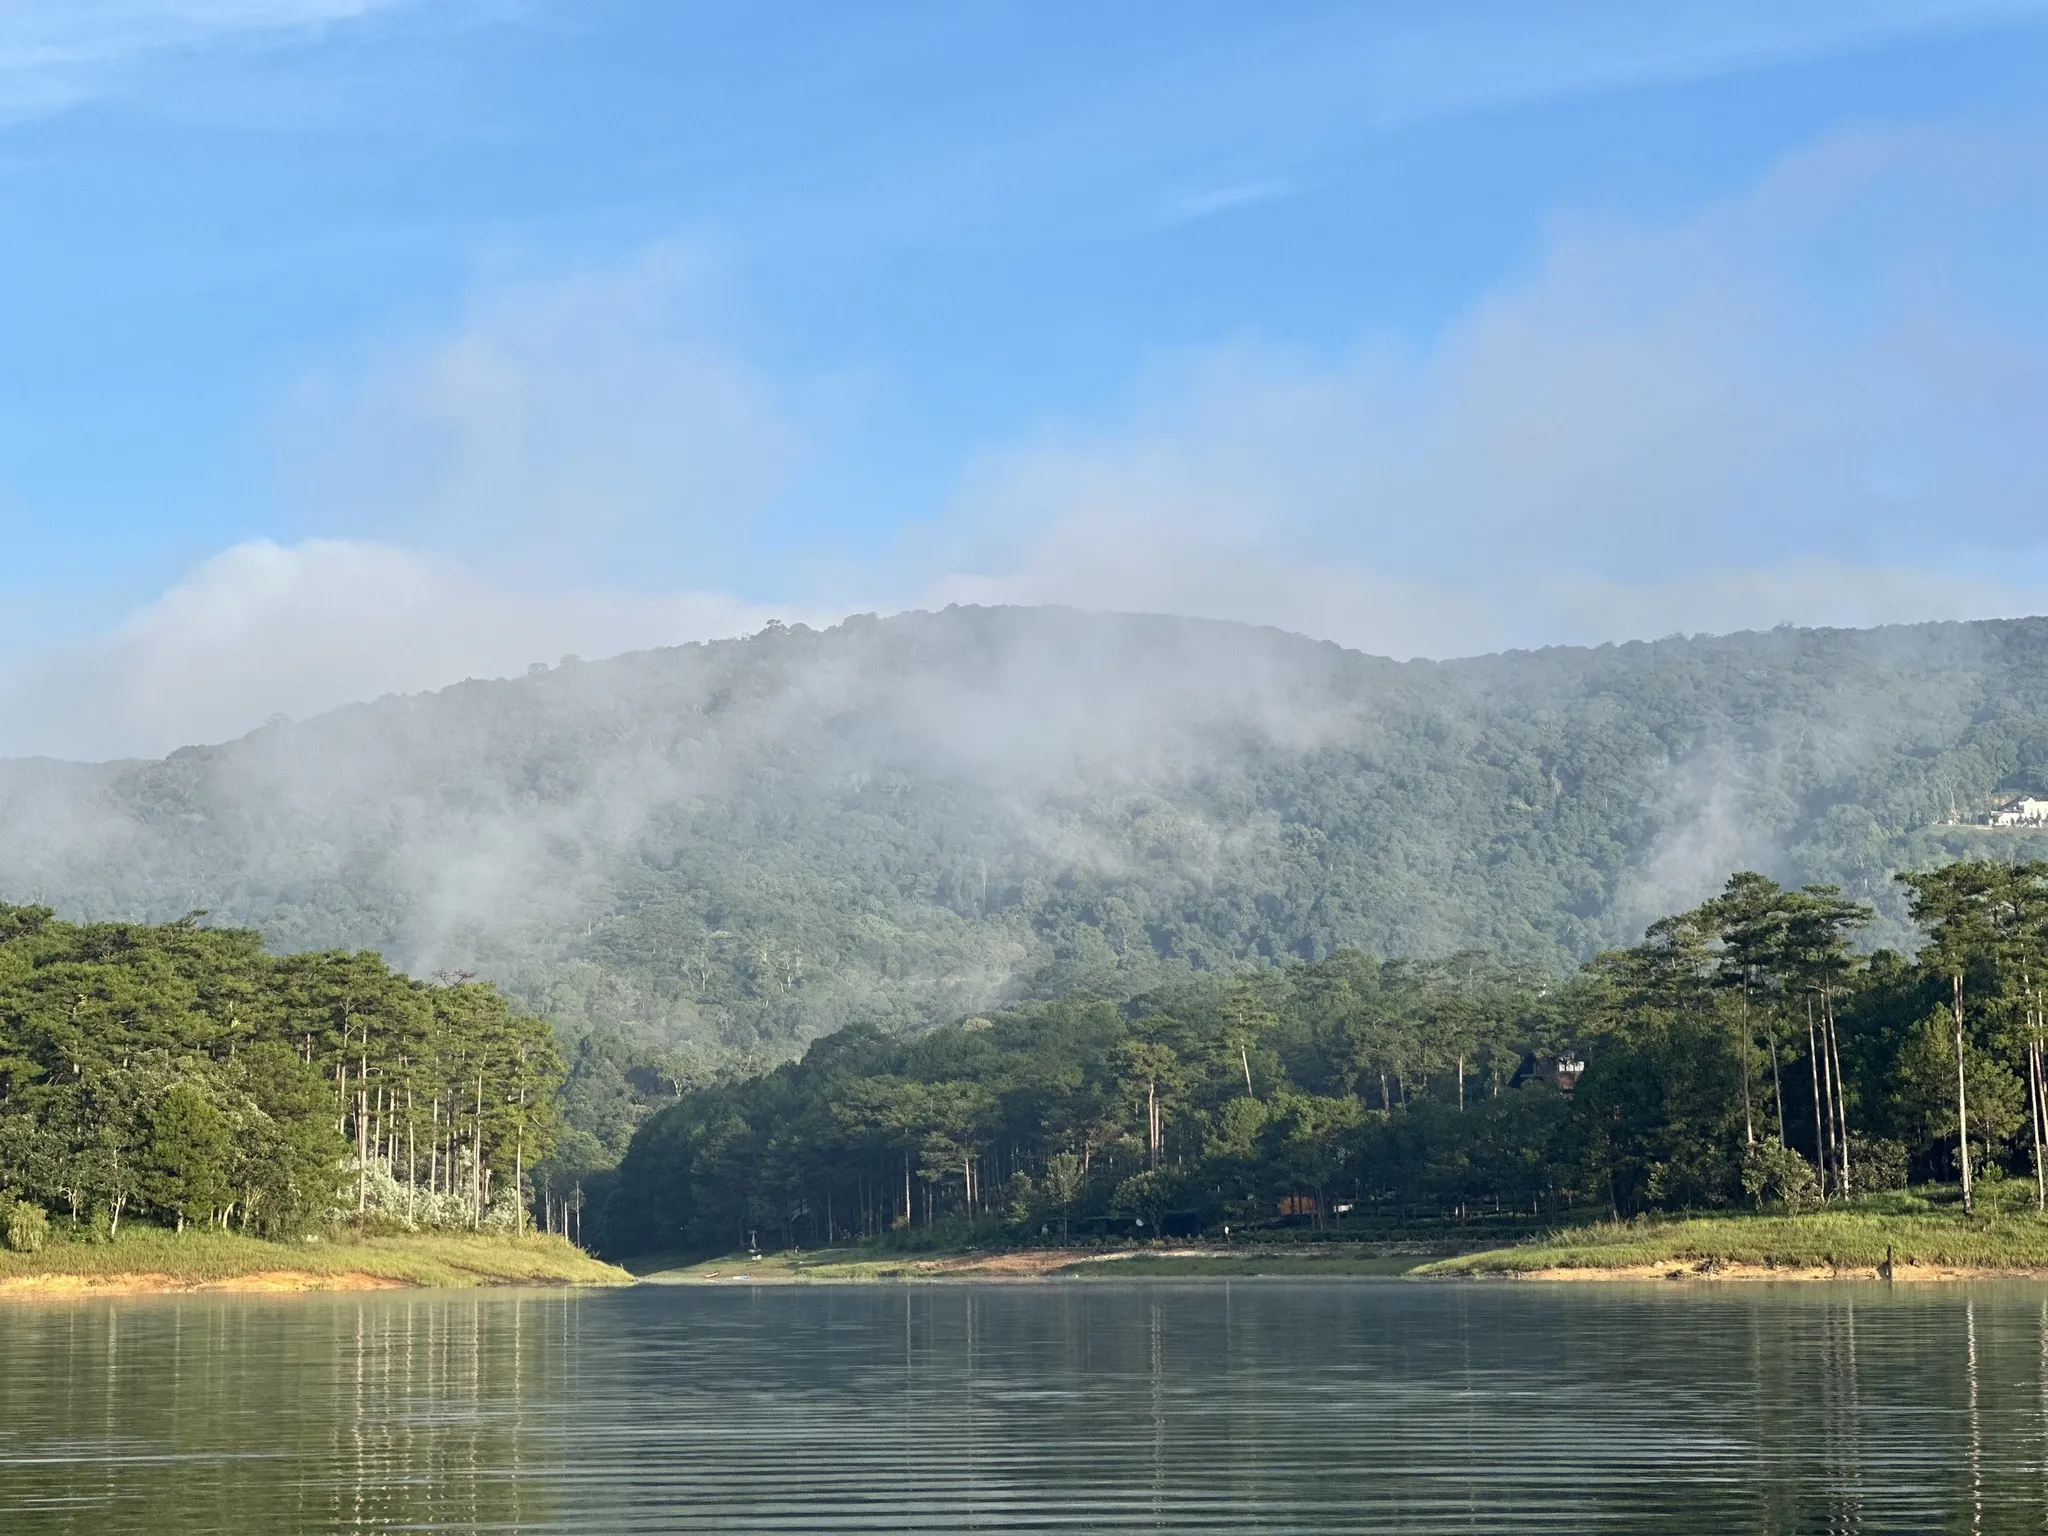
(743, 844)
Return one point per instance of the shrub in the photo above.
(1772, 1172)
(389, 1207)
(28, 1227)
(1877, 1164)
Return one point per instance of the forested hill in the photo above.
(752, 842)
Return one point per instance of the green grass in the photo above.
(419, 1259)
(818, 1264)
(1925, 1229)
(1914, 1229)
(858, 1265)
(1336, 1261)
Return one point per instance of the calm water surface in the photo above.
(1259, 1406)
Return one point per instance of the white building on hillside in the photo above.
(2026, 811)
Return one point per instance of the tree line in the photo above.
(1744, 1052)
(901, 819)
(182, 1073)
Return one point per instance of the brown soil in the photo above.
(51, 1287)
(1035, 1263)
(1008, 1264)
(1027, 1262)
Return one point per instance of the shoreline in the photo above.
(274, 1282)
(1747, 1274)
(852, 1266)
(1199, 1265)
(158, 1263)
(1899, 1237)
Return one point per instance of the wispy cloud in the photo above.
(55, 53)
(1468, 58)
(559, 427)
(262, 629)
(1659, 429)
(1803, 404)
(1260, 106)
(1206, 204)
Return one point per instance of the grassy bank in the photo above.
(1920, 1238)
(150, 1259)
(1922, 1235)
(860, 1265)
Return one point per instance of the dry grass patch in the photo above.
(149, 1259)
(1823, 1245)
(856, 1266)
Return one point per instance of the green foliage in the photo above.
(1781, 1176)
(1881, 1164)
(1218, 1100)
(182, 1072)
(743, 846)
(1741, 1054)
(185, 1155)
(28, 1227)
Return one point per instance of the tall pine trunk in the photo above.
(1835, 1079)
(1152, 1120)
(2034, 1105)
(1823, 1143)
(1777, 1081)
(519, 1169)
(1748, 1039)
(1962, 1099)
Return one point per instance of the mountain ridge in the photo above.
(742, 844)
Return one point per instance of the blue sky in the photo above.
(353, 346)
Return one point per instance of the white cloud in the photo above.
(262, 629)
(1779, 410)
(558, 425)
(1784, 409)
(528, 484)
(1097, 565)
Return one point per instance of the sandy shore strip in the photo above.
(780, 1269)
(1054, 1263)
(1719, 1271)
(272, 1281)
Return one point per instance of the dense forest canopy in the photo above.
(1743, 1052)
(742, 846)
(182, 1072)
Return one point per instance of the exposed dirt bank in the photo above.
(150, 1261)
(852, 1265)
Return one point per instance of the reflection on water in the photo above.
(1089, 1407)
(212, 1414)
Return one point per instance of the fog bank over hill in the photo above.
(748, 843)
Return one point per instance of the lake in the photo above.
(1246, 1406)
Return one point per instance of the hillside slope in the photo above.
(748, 843)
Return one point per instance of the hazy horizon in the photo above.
(1428, 331)
(512, 672)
